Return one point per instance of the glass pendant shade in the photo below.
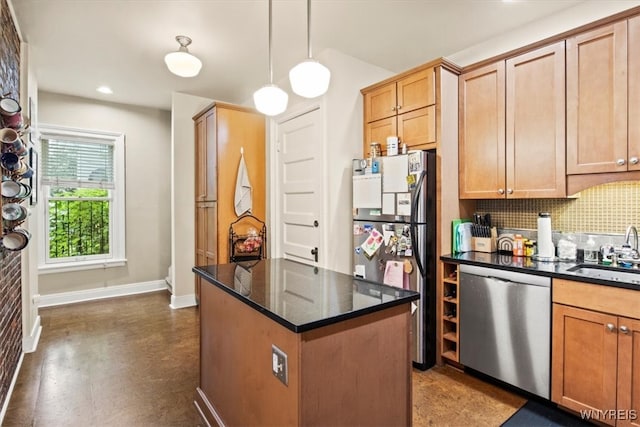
(182, 63)
(309, 78)
(270, 100)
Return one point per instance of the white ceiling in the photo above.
(77, 45)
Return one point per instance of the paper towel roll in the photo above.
(545, 241)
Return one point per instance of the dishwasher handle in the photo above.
(505, 275)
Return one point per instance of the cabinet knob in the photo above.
(624, 329)
(500, 191)
(633, 160)
(398, 107)
(509, 191)
(611, 327)
(393, 108)
(620, 162)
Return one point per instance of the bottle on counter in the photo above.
(591, 251)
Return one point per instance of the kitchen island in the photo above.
(283, 343)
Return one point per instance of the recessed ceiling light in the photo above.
(105, 89)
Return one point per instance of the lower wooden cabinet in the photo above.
(206, 237)
(596, 352)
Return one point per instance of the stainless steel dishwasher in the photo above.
(505, 326)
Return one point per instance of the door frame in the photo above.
(275, 225)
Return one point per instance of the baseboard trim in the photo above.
(30, 343)
(100, 293)
(183, 301)
(5, 404)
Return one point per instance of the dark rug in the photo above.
(538, 414)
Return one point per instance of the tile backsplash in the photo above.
(605, 209)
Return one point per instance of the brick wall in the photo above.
(10, 262)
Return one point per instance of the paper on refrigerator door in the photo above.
(394, 174)
(373, 243)
(394, 274)
(367, 190)
(403, 204)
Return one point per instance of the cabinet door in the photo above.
(597, 100)
(482, 133)
(200, 160)
(416, 91)
(418, 128)
(378, 131)
(206, 233)
(380, 103)
(584, 349)
(535, 124)
(629, 371)
(211, 155)
(633, 52)
(205, 157)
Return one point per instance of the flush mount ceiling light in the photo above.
(270, 99)
(182, 63)
(309, 78)
(105, 89)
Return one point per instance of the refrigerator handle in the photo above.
(412, 223)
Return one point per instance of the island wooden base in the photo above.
(356, 372)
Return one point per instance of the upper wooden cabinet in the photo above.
(205, 157)
(512, 127)
(633, 54)
(481, 136)
(404, 107)
(597, 100)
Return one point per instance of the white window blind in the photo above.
(71, 163)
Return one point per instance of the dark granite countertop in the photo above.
(559, 270)
(301, 297)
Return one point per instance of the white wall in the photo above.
(147, 156)
(30, 319)
(565, 20)
(184, 107)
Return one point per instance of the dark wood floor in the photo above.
(133, 362)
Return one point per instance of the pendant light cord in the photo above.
(270, 59)
(309, 28)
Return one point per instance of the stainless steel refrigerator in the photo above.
(394, 241)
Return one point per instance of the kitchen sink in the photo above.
(607, 273)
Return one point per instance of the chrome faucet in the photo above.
(627, 235)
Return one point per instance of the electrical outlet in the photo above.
(279, 364)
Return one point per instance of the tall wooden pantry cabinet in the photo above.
(222, 131)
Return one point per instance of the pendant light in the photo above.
(182, 63)
(270, 99)
(309, 78)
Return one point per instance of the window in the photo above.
(82, 178)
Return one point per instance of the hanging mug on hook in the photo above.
(11, 113)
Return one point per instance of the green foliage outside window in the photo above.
(78, 227)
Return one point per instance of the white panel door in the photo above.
(299, 188)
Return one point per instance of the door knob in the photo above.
(509, 191)
(633, 160)
(500, 191)
(620, 162)
(624, 329)
(611, 327)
